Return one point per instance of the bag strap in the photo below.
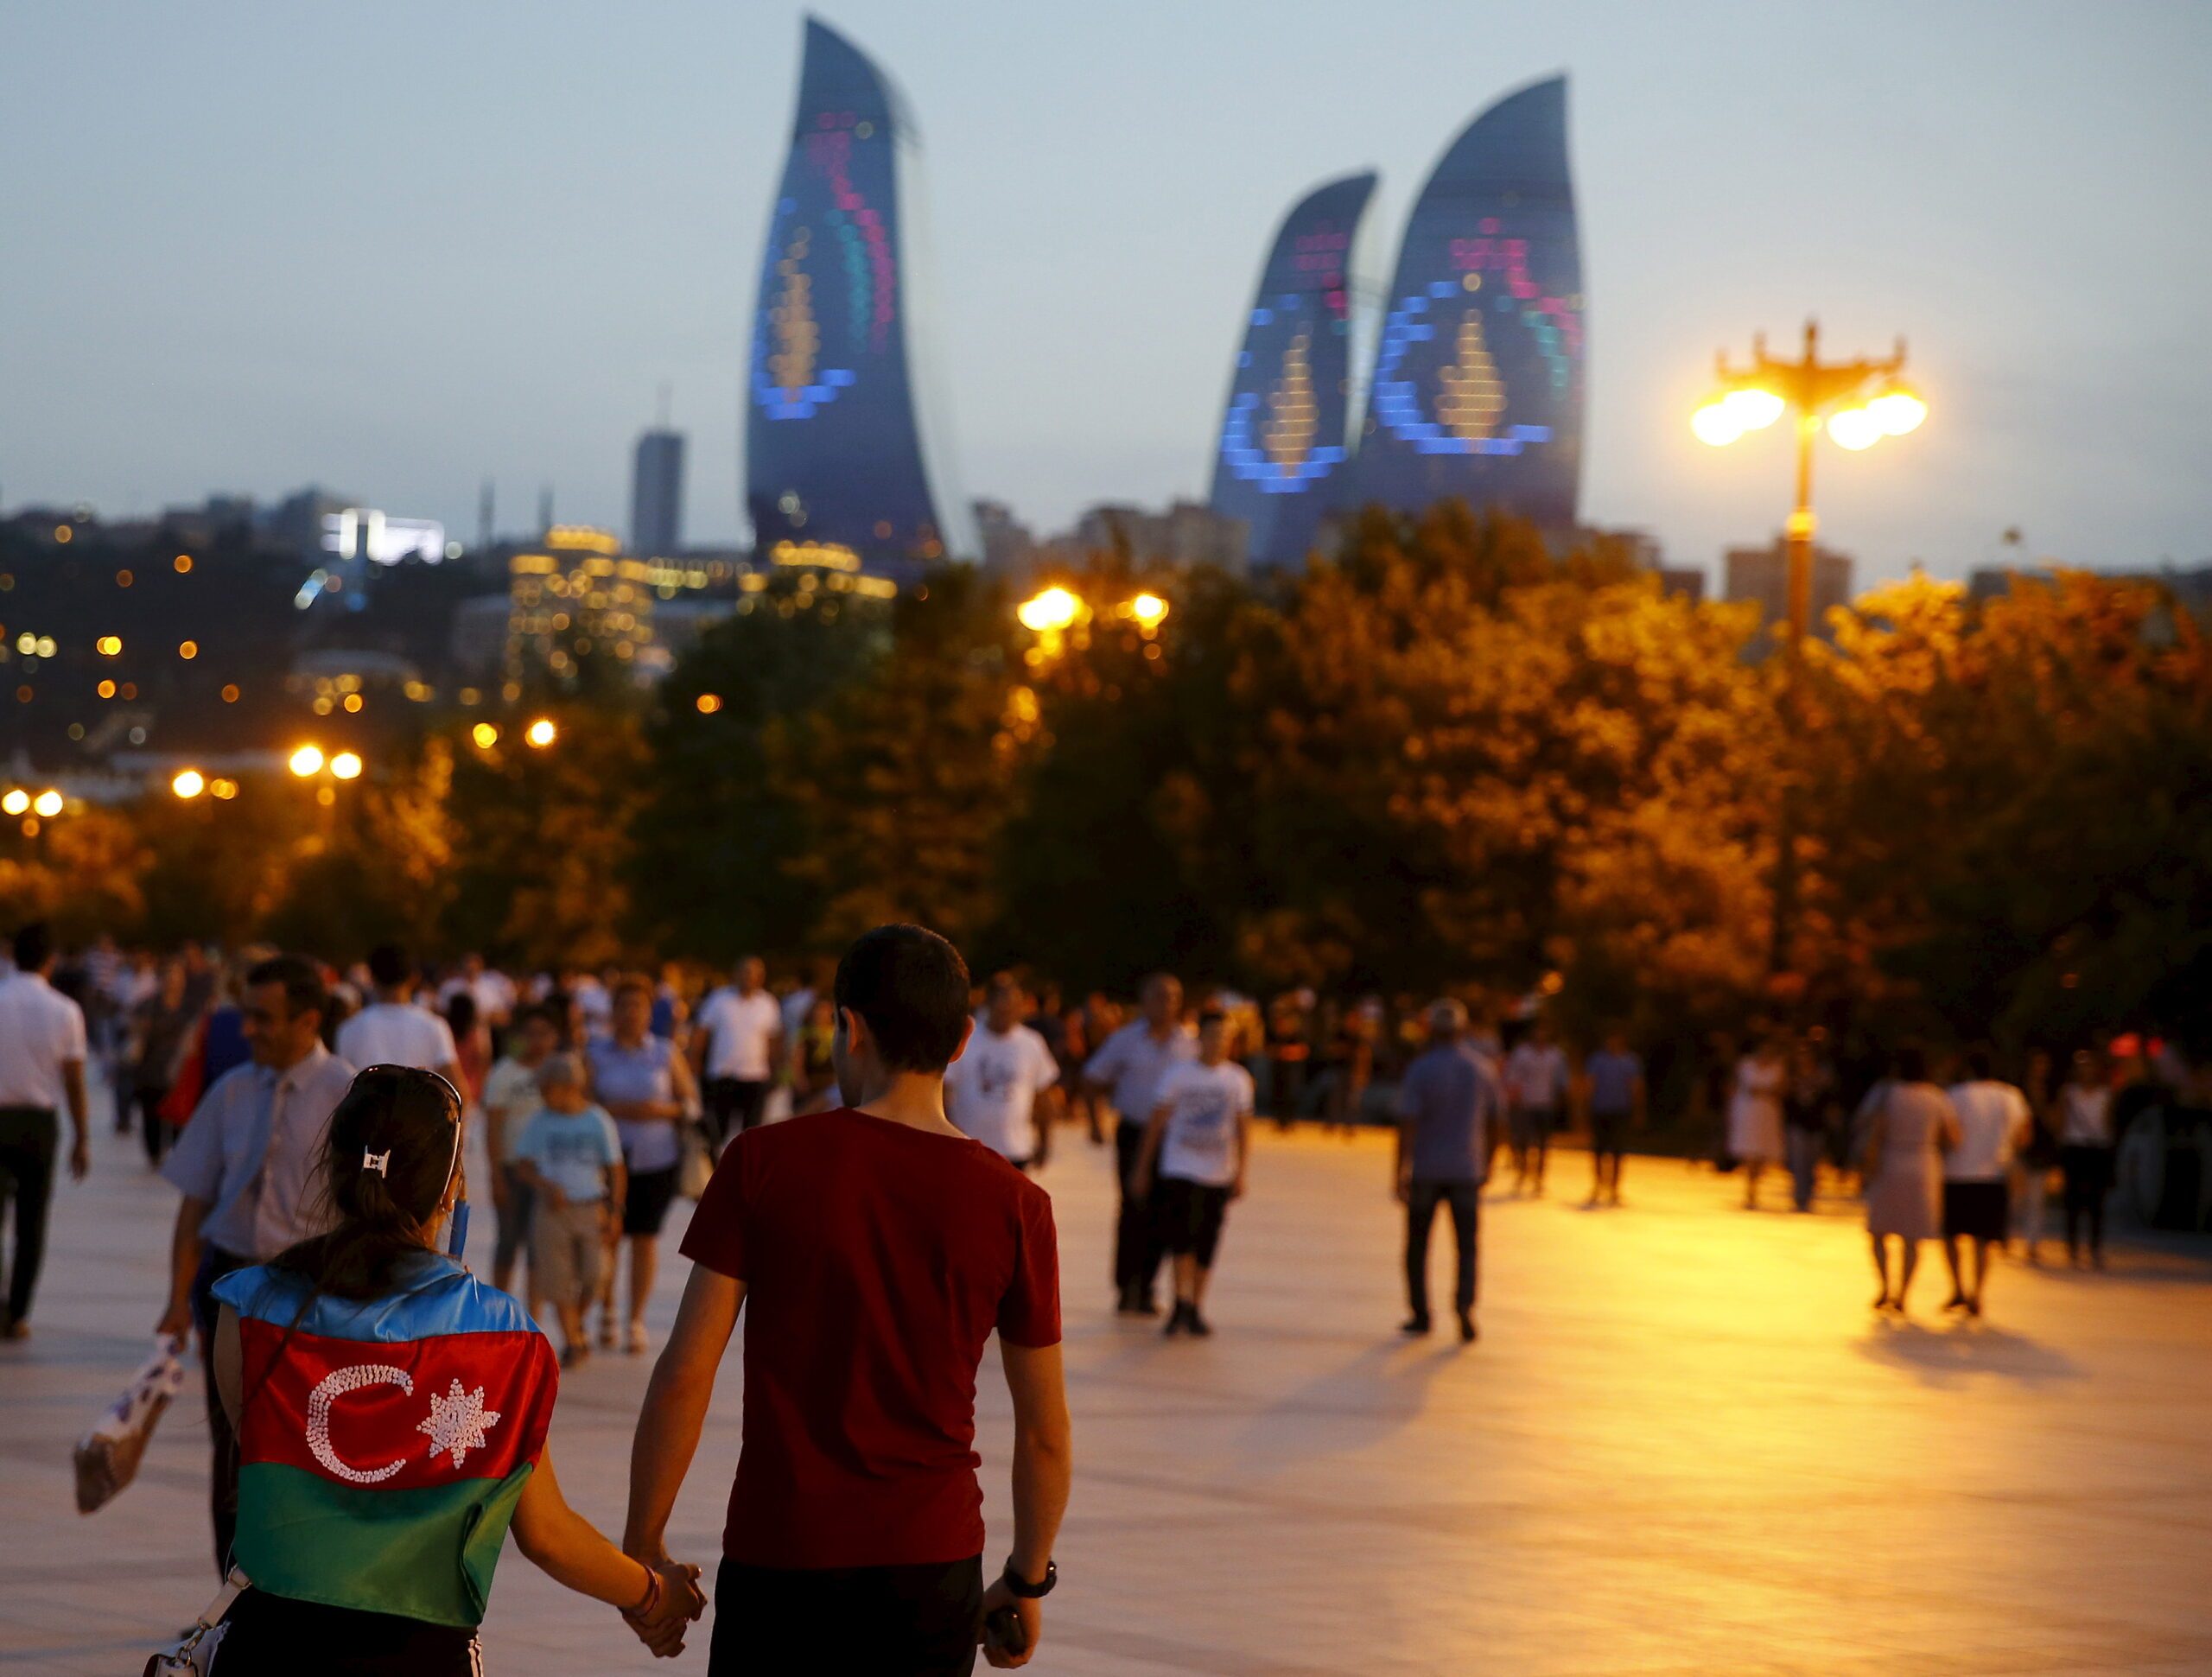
(234, 1585)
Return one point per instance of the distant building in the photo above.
(1187, 533)
(578, 598)
(1763, 575)
(1008, 547)
(1685, 581)
(657, 493)
(836, 389)
(1477, 387)
(1283, 434)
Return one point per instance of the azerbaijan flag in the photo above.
(385, 1444)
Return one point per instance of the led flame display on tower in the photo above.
(835, 453)
(1477, 389)
(1282, 437)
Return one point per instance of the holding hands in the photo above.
(672, 1601)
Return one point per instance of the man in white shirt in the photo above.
(392, 1030)
(1003, 1089)
(1994, 1123)
(1192, 1162)
(42, 1069)
(493, 992)
(736, 1043)
(509, 1101)
(1536, 1080)
(1127, 1069)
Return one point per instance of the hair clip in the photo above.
(377, 1162)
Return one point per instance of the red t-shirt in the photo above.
(876, 1259)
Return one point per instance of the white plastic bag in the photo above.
(107, 1456)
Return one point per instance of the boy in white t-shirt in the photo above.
(1192, 1162)
(1003, 1089)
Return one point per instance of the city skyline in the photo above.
(490, 287)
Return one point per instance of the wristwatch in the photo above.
(1018, 1585)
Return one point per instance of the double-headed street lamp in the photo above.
(1860, 403)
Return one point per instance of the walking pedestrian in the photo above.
(1995, 1124)
(2035, 1163)
(1448, 1102)
(1910, 1125)
(1536, 1082)
(1807, 1093)
(1612, 1081)
(1127, 1069)
(43, 1048)
(1755, 1113)
(1004, 1089)
(511, 1100)
(1191, 1162)
(159, 1028)
(370, 1551)
(571, 1158)
(249, 1166)
(2085, 1156)
(393, 1030)
(736, 1043)
(646, 1085)
(872, 1249)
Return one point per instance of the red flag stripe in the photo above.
(397, 1414)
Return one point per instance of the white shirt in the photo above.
(2084, 1117)
(396, 1033)
(511, 1093)
(1993, 1117)
(40, 1030)
(991, 1090)
(738, 1030)
(1203, 1104)
(1536, 1077)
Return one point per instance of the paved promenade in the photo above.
(1683, 1447)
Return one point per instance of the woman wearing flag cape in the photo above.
(391, 1413)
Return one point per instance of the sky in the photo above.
(400, 249)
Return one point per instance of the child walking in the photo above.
(571, 1158)
(1192, 1162)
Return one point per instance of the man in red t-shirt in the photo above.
(875, 1249)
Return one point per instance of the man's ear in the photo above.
(967, 1031)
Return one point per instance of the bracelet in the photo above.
(652, 1595)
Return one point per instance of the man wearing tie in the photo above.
(247, 1165)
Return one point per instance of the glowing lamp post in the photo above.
(1859, 403)
(1049, 613)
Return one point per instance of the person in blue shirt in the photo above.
(571, 1157)
(1448, 1099)
(1612, 1089)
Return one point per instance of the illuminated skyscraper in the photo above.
(1282, 437)
(836, 454)
(1478, 367)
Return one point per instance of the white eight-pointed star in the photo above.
(457, 1422)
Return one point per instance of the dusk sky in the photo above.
(398, 249)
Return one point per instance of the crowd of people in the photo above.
(268, 1089)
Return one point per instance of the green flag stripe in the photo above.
(424, 1553)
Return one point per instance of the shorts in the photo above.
(1532, 1126)
(651, 1192)
(1188, 1216)
(279, 1636)
(917, 1621)
(568, 1246)
(1608, 1130)
(1975, 1211)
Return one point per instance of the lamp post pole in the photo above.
(1811, 393)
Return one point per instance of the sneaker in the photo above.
(575, 1356)
(1468, 1332)
(1143, 1304)
(607, 1330)
(1174, 1322)
(637, 1343)
(1194, 1322)
(1415, 1326)
(1956, 1301)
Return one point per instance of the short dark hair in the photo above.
(1982, 1062)
(389, 965)
(912, 987)
(301, 979)
(34, 945)
(1912, 1065)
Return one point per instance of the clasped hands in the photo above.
(669, 1609)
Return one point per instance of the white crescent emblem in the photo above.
(335, 1386)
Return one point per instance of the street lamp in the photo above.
(1860, 402)
(188, 783)
(1049, 613)
(306, 761)
(17, 801)
(346, 765)
(46, 804)
(1148, 609)
(541, 734)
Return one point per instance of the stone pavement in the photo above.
(1683, 1446)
